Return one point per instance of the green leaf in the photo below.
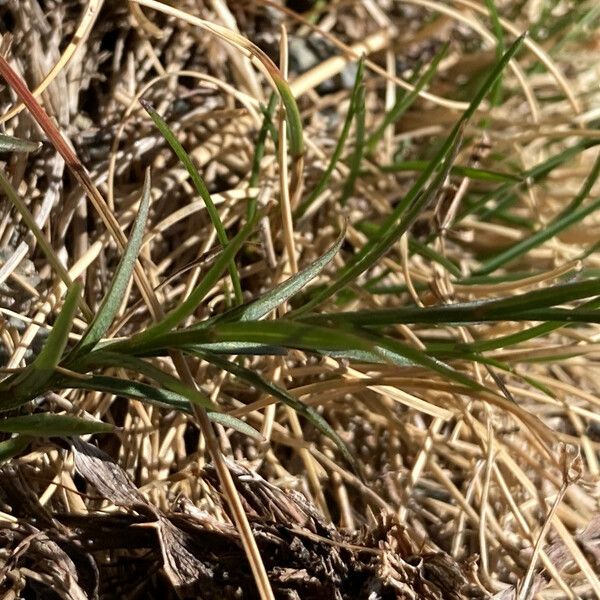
(289, 334)
(10, 448)
(51, 425)
(116, 292)
(527, 306)
(201, 188)
(33, 379)
(280, 393)
(284, 291)
(359, 140)
(458, 170)
(339, 147)
(417, 198)
(405, 101)
(8, 143)
(189, 305)
(158, 397)
(563, 221)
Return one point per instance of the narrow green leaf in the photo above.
(33, 379)
(565, 220)
(280, 393)
(404, 102)
(527, 306)
(116, 292)
(293, 118)
(289, 334)
(51, 425)
(506, 192)
(259, 151)
(201, 188)
(8, 143)
(158, 397)
(460, 171)
(10, 448)
(408, 209)
(242, 349)
(359, 145)
(339, 147)
(284, 291)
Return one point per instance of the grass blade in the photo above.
(359, 142)
(201, 188)
(284, 291)
(8, 143)
(526, 306)
(34, 378)
(50, 425)
(339, 147)
(123, 274)
(472, 173)
(280, 393)
(158, 397)
(288, 334)
(566, 219)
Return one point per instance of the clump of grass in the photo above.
(439, 338)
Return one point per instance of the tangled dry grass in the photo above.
(458, 495)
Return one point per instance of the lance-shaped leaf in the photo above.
(529, 306)
(289, 334)
(159, 397)
(123, 273)
(189, 305)
(8, 143)
(32, 380)
(51, 425)
(284, 291)
(280, 393)
(201, 188)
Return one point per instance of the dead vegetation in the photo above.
(459, 493)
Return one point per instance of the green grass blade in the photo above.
(359, 145)
(116, 292)
(154, 396)
(8, 143)
(536, 174)
(472, 173)
(34, 378)
(339, 147)
(565, 219)
(51, 425)
(284, 291)
(13, 446)
(294, 403)
(586, 188)
(410, 206)
(201, 188)
(288, 334)
(404, 102)
(259, 152)
(293, 118)
(526, 306)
